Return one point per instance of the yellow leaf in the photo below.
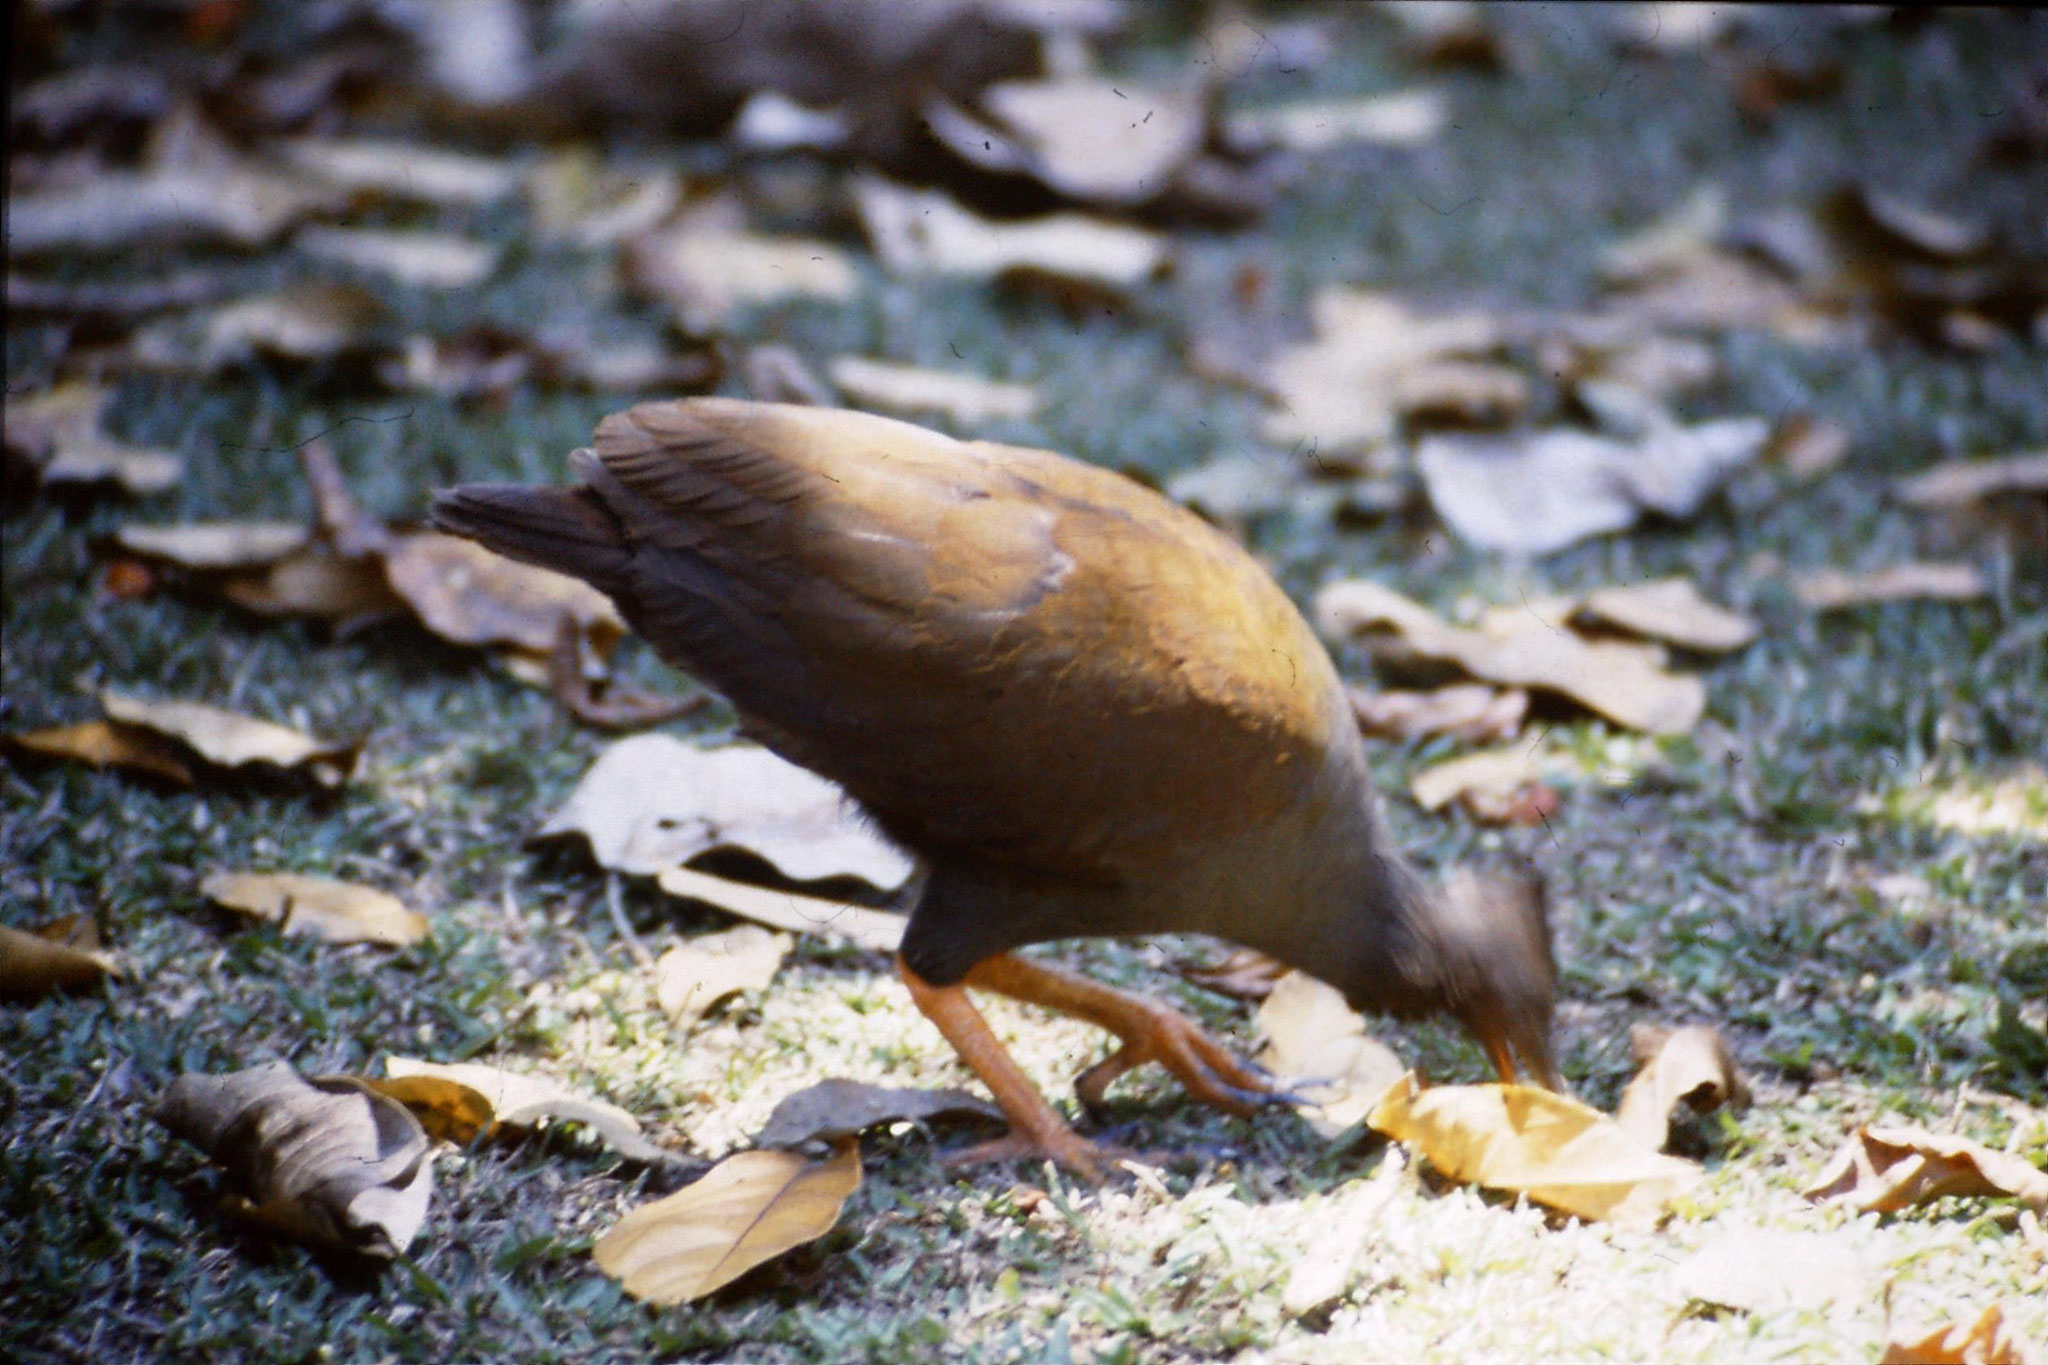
(748, 1209)
(1550, 1147)
(1687, 1064)
(1892, 1168)
(462, 1099)
(319, 907)
(103, 744)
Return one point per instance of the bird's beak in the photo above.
(1503, 1045)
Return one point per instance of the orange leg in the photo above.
(1036, 1128)
(1151, 1032)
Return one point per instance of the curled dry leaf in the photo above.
(1319, 1044)
(1689, 1065)
(1757, 1270)
(57, 434)
(425, 260)
(1471, 712)
(54, 957)
(706, 274)
(1626, 683)
(1243, 974)
(876, 930)
(228, 739)
(470, 596)
(1885, 1169)
(1834, 589)
(459, 1101)
(1499, 786)
(967, 399)
(695, 975)
(1538, 492)
(651, 802)
(919, 232)
(1671, 610)
(318, 907)
(1550, 1147)
(750, 1208)
(835, 1109)
(1990, 1340)
(324, 1159)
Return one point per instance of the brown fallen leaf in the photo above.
(876, 930)
(318, 907)
(1961, 482)
(104, 744)
(1688, 1065)
(920, 232)
(1499, 786)
(1758, 1270)
(424, 260)
(695, 975)
(323, 1159)
(706, 275)
(749, 1209)
(1319, 1045)
(1990, 1340)
(1885, 1169)
(1671, 610)
(652, 802)
(1625, 682)
(835, 1109)
(1470, 712)
(57, 435)
(314, 582)
(470, 596)
(39, 962)
(1552, 1148)
(230, 740)
(1243, 974)
(460, 1101)
(967, 399)
(1835, 589)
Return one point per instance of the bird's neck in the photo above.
(1385, 957)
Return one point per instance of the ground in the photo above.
(1736, 883)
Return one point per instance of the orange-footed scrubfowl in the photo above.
(1085, 709)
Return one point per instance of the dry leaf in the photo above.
(917, 232)
(1885, 1169)
(1627, 683)
(876, 930)
(705, 275)
(695, 975)
(1348, 387)
(1755, 1270)
(103, 744)
(325, 1159)
(840, 1109)
(750, 1208)
(469, 596)
(425, 260)
(1961, 482)
(460, 1100)
(1406, 118)
(318, 907)
(651, 802)
(1990, 1340)
(1550, 1147)
(1834, 589)
(315, 582)
(1472, 713)
(1671, 610)
(35, 963)
(402, 170)
(969, 400)
(57, 432)
(303, 323)
(228, 739)
(212, 545)
(1503, 785)
(1539, 492)
(1319, 1045)
(1243, 974)
(1113, 145)
(1688, 1065)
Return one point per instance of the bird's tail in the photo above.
(568, 530)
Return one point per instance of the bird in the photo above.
(1087, 711)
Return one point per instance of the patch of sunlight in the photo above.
(2015, 804)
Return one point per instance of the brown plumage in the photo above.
(1088, 711)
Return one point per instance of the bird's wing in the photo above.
(999, 651)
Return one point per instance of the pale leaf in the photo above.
(402, 170)
(1406, 118)
(228, 739)
(468, 595)
(1961, 482)
(750, 1208)
(1671, 610)
(695, 975)
(207, 545)
(876, 930)
(1756, 1270)
(105, 744)
(1834, 589)
(1686, 1065)
(464, 1099)
(1471, 712)
(967, 399)
(1319, 1046)
(318, 907)
(1885, 1169)
(921, 232)
(706, 275)
(425, 260)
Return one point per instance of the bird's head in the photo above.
(1490, 941)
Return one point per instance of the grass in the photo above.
(1739, 880)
